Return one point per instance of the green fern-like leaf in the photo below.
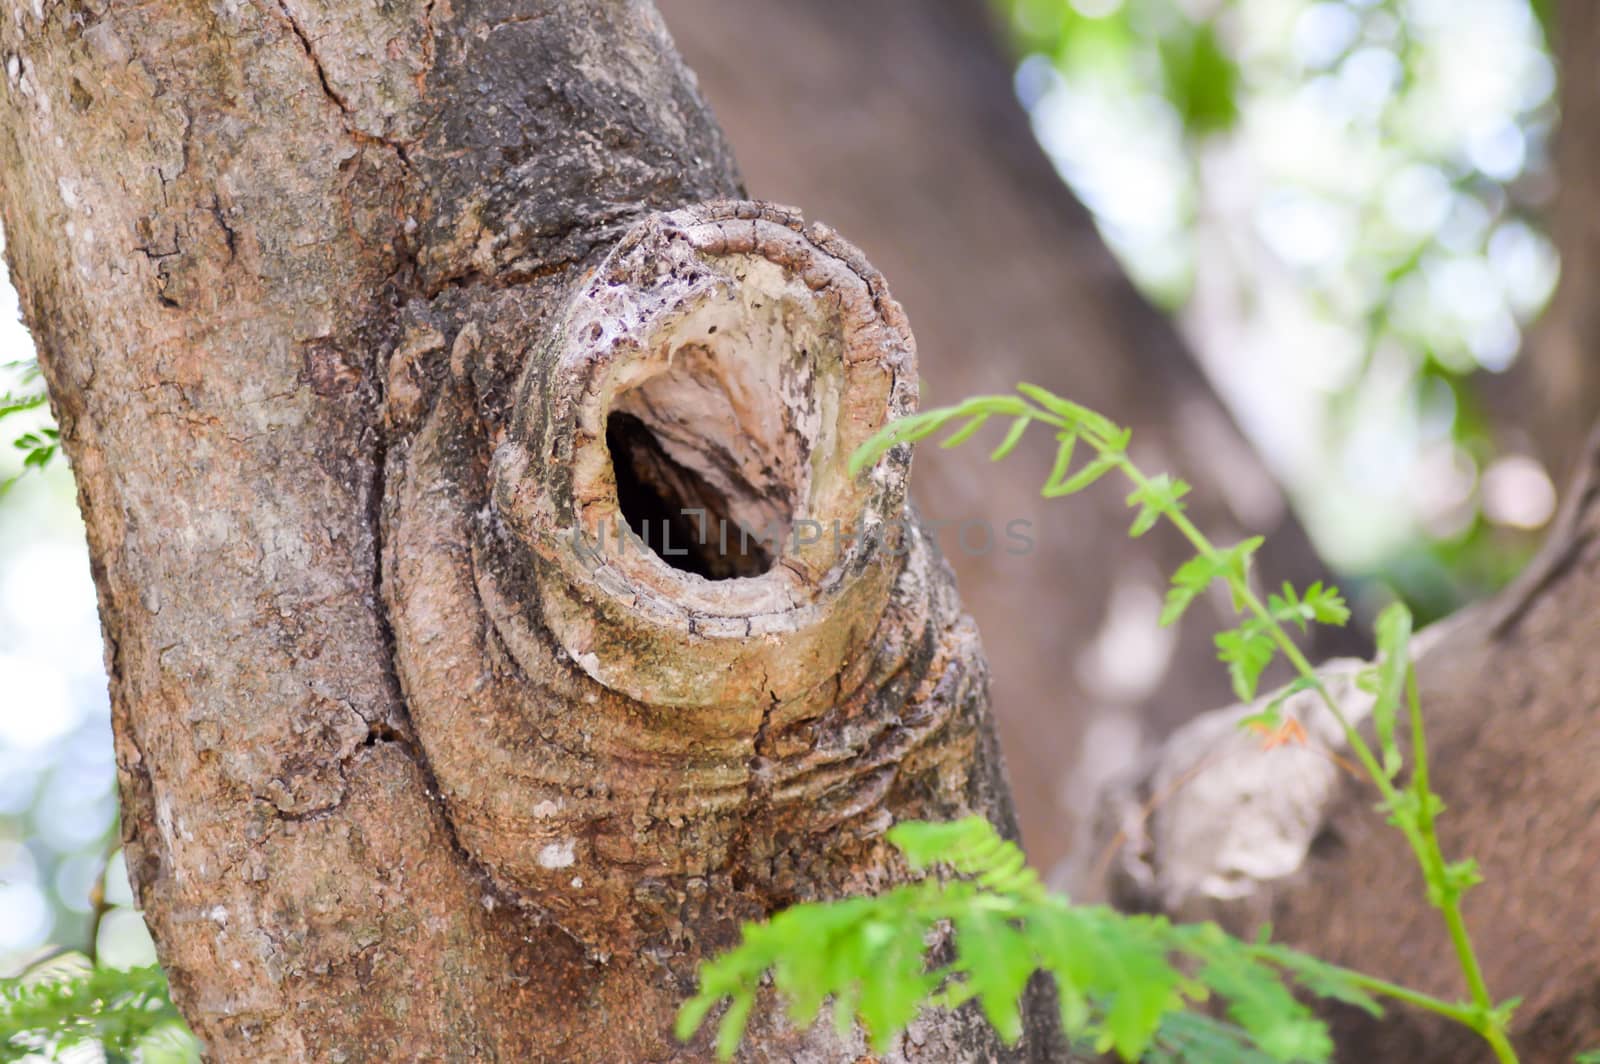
(1124, 982)
(1156, 498)
(1394, 637)
(51, 1011)
(1195, 1038)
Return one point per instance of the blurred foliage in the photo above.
(1125, 984)
(37, 442)
(126, 1013)
(1361, 181)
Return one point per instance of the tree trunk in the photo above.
(367, 339)
(897, 121)
(1561, 370)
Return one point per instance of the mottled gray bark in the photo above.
(335, 318)
(896, 120)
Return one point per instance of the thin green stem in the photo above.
(1286, 645)
(1417, 825)
(1458, 1013)
(1487, 1022)
(1481, 1016)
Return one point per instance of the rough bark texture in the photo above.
(896, 120)
(1509, 693)
(419, 758)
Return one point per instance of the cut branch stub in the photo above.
(593, 713)
(678, 459)
(647, 747)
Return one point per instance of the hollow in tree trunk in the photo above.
(381, 340)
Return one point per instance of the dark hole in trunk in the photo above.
(674, 510)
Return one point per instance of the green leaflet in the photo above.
(996, 961)
(1246, 651)
(1195, 1038)
(965, 432)
(121, 1010)
(1394, 639)
(1073, 415)
(1013, 437)
(1321, 604)
(1070, 419)
(1124, 981)
(1156, 498)
(1093, 471)
(12, 403)
(1231, 566)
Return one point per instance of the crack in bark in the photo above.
(758, 794)
(228, 234)
(316, 61)
(346, 113)
(537, 16)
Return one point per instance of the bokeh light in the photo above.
(1355, 223)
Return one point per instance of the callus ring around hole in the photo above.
(678, 462)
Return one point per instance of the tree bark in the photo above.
(897, 121)
(368, 331)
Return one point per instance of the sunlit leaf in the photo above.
(1394, 644)
(1247, 651)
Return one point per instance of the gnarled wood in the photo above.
(646, 755)
(305, 278)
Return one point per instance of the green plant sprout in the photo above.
(1123, 981)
